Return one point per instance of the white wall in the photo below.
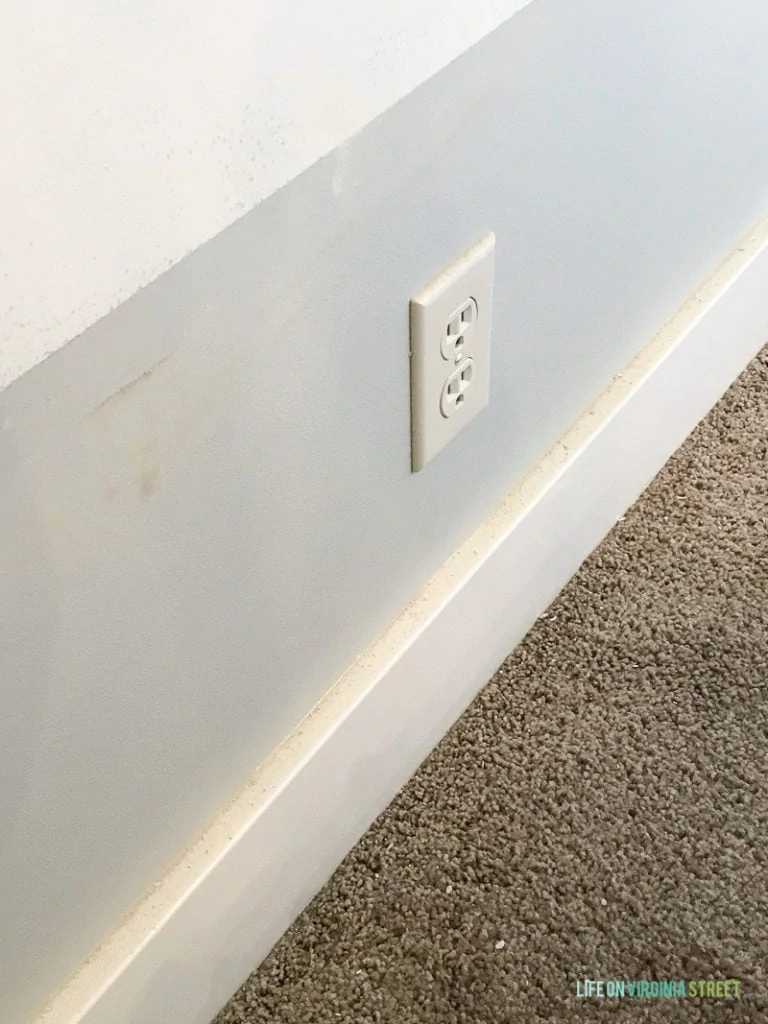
(207, 506)
(132, 132)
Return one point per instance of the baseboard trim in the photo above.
(219, 911)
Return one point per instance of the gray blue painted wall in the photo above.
(207, 508)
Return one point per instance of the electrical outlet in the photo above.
(450, 350)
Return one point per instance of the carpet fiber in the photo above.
(600, 811)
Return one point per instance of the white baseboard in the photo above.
(221, 909)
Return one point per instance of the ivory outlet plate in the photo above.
(450, 350)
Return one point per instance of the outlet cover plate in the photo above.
(450, 350)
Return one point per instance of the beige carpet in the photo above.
(600, 811)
